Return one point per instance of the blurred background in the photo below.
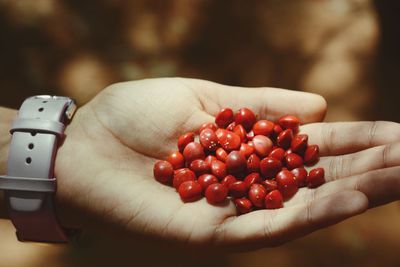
(346, 50)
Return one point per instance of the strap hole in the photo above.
(41, 109)
(28, 160)
(31, 146)
(33, 133)
(45, 101)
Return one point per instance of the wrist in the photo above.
(7, 117)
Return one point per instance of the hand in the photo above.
(104, 168)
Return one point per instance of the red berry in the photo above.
(208, 139)
(184, 140)
(245, 117)
(253, 163)
(277, 130)
(316, 177)
(182, 175)
(238, 189)
(289, 122)
(231, 126)
(252, 178)
(216, 193)
(299, 143)
(224, 117)
(263, 127)
(208, 125)
(193, 151)
(176, 159)
(209, 159)
(228, 180)
(199, 167)
(287, 183)
(163, 172)
(293, 161)
(207, 179)
(301, 176)
(270, 185)
(257, 195)
(229, 141)
(236, 162)
(262, 145)
(218, 168)
(311, 155)
(241, 132)
(274, 200)
(277, 153)
(221, 154)
(190, 191)
(243, 205)
(246, 149)
(269, 167)
(284, 139)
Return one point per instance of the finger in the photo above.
(348, 137)
(274, 227)
(270, 103)
(380, 186)
(378, 157)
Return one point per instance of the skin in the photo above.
(105, 177)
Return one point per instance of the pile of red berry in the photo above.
(257, 163)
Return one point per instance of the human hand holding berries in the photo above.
(105, 166)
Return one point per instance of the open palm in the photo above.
(104, 168)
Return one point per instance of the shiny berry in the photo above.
(311, 155)
(184, 140)
(293, 161)
(284, 139)
(269, 167)
(277, 130)
(245, 117)
(253, 163)
(216, 193)
(273, 200)
(231, 126)
(208, 125)
(199, 167)
(209, 159)
(246, 150)
(229, 141)
(287, 183)
(228, 180)
(224, 117)
(270, 185)
(277, 153)
(257, 195)
(250, 135)
(316, 177)
(176, 159)
(206, 179)
(218, 168)
(221, 154)
(163, 172)
(289, 122)
(238, 189)
(241, 132)
(301, 176)
(193, 151)
(262, 145)
(208, 139)
(243, 205)
(236, 162)
(183, 175)
(252, 178)
(263, 127)
(190, 191)
(299, 143)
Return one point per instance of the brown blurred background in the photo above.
(346, 50)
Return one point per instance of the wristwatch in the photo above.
(30, 185)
